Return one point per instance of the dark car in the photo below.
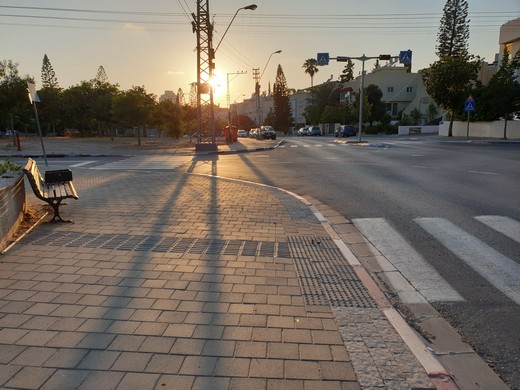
(345, 131)
(314, 130)
(267, 132)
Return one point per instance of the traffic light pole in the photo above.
(405, 57)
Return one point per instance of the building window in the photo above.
(390, 89)
(409, 89)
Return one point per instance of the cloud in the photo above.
(133, 27)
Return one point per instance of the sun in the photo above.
(218, 82)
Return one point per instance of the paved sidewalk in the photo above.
(177, 281)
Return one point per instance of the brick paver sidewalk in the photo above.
(172, 281)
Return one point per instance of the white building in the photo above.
(168, 95)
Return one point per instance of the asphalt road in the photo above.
(432, 196)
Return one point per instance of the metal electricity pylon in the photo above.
(203, 27)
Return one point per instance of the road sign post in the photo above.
(469, 107)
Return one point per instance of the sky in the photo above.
(151, 43)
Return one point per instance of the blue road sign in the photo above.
(469, 106)
(405, 57)
(323, 59)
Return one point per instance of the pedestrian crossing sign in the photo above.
(405, 57)
(469, 106)
(323, 59)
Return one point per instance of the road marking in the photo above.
(146, 163)
(507, 226)
(407, 260)
(499, 270)
(294, 146)
(484, 172)
(82, 164)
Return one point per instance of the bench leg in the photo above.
(57, 217)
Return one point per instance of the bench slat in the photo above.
(52, 193)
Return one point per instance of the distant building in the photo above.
(168, 95)
(509, 38)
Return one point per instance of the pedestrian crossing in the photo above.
(343, 143)
(497, 269)
(145, 163)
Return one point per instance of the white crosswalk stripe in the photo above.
(502, 272)
(146, 163)
(507, 226)
(407, 260)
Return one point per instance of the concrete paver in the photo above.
(169, 280)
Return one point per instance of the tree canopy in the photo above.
(310, 67)
(450, 79)
(282, 107)
(453, 35)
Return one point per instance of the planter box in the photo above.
(12, 205)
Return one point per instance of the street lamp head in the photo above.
(252, 7)
(277, 52)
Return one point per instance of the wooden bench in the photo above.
(52, 193)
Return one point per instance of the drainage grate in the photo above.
(324, 275)
(159, 244)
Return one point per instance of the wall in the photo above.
(405, 130)
(482, 129)
(12, 206)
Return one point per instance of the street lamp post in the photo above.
(229, 97)
(257, 87)
(274, 52)
(251, 7)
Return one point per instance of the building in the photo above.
(509, 39)
(168, 95)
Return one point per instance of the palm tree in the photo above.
(311, 68)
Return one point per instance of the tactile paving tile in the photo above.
(325, 276)
(160, 244)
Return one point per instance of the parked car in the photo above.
(242, 134)
(301, 132)
(314, 130)
(9, 133)
(345, 131)
(253, 133)
(267, 132)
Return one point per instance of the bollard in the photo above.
(18, 148)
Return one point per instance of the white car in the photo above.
(242, 134)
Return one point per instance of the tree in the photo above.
(449, 80)
(348, 72)
(282, 106)
(50, 95)
(49, 79)
(453, 35)
(503, 90)
(378, 108)
(416, 115)
(101, 76)
(14, 103)
(133, 108)
(376, 65)
(168, 117)
(311, 68)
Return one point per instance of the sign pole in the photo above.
(467, 127)
(33, 98)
